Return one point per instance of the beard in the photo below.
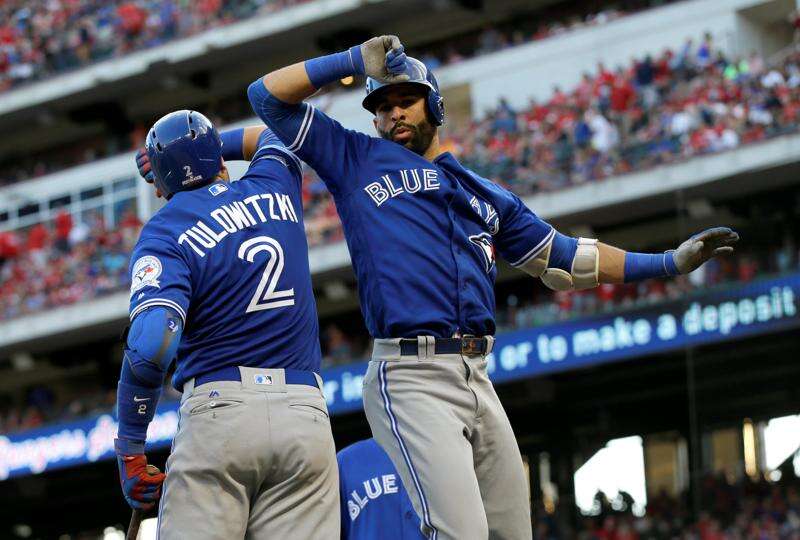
(421, 135)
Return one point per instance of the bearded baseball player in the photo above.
(422, 232)
(221, 284)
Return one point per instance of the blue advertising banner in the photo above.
(755, 308)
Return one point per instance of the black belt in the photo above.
(470, 346)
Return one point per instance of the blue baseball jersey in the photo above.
(232, 260)
(374, 502)
(422, 235)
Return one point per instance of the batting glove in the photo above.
(702, 246)
(384, 59)
(141, 483)
(143, 163)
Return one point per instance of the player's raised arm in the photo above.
(277, 99)
(380, 58)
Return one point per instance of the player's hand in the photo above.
(384, 59)
(143, 164)
(141, 483)
(702, 246)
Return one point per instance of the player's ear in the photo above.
(375, 122)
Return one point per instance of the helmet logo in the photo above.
(190, 177)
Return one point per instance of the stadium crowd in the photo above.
(63, 262)
(40, 38)
(748, 509)
(546, 22)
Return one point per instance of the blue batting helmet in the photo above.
(418, 74)
(185, 151)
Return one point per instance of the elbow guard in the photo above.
(566, 263)
(152, 343)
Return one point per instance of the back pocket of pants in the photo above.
(214, 405)
(318, 411)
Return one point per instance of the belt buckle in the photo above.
(473, 346)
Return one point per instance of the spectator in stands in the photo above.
(338, 348)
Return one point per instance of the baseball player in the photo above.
(375, 503)
(423, 232)
(220, 282)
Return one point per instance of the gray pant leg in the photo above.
(498, 463)
(418, 412)
(252, 461)
(300, 498)
(206, 493)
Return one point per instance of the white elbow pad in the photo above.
(585, 269)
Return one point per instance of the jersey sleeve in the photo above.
(271, 148)
(333, 151)
(521, 234)
(159, 277)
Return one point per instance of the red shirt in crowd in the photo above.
(622, 95)
(63, 223)
(37, 237)
(132, 17)
(9, 245)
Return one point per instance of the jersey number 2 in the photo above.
(266, 297)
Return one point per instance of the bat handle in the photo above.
(133, 527)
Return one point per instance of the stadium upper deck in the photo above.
(108, 102)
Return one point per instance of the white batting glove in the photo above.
(384, 59)
(702, 246)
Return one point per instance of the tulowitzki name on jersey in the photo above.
(236, 216)
(404, 181)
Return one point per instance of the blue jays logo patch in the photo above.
(484, 242)
(145, 273)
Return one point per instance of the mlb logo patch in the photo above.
(216, 189)
(263, 379)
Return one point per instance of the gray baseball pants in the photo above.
(254, 461)
(442, 424)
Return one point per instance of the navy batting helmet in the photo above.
(185, 151)
(418, 74)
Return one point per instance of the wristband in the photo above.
(136, 406)
(327, 69)
(640, 266)
(125, 447)
(232, 144)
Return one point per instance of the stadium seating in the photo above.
(42, 38)
(90, 24)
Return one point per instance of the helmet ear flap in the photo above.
(436, 107)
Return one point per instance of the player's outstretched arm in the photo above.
(581, 263)
(617, 266)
